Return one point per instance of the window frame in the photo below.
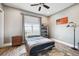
(31, 16)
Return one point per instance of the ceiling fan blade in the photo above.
(34, 4)
(39, 8)
(46, 6)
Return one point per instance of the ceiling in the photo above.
(54, 7)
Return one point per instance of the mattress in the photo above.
(36, 41)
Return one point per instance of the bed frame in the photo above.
(39, 48)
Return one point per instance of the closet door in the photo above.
(1, 28)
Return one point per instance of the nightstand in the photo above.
(16, 40)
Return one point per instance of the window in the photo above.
(32, 25)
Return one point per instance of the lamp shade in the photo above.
(71, 24)
(68, 25)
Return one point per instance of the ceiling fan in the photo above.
(41, 4)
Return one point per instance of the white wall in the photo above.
(45, 20)
(1, 26)
(61, 32)
(13, 23)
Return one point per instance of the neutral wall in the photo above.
(61, 32)
(13, 22)
(1, 5)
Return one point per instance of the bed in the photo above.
(35, 45)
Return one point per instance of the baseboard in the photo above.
(65, 43)
(7, 44)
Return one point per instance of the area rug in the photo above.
(53, 52)
(21, 51)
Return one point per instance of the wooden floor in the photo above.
(13, 51)
(67, 49)
(19, 50)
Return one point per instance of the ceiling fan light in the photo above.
(41, 4)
